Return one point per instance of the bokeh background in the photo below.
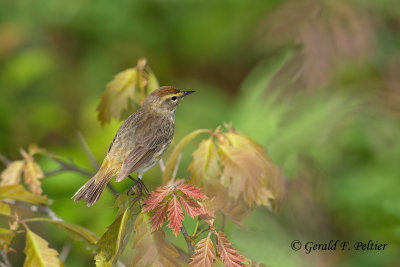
(316, 82)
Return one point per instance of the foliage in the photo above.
(315, 83)
(230, 167)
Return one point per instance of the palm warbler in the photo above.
(139, 143)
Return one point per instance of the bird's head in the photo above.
(165, 99)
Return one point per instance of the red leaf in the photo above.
(160, 212)
(191, 191)
(175, 215)
(204, 254)
(191, 206)
(155, 197)
(229, 255)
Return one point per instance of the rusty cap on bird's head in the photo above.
(169, 91)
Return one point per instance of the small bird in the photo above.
(139, 143)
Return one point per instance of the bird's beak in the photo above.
(185, 93)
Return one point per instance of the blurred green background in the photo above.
(317, 83)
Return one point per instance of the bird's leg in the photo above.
(139, 176)
(137, 183)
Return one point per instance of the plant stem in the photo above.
(4, 159)
(89, 153)
(196, 227)
(187, 238)
(5, 258)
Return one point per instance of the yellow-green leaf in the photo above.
(12, 174)
(38, 253)
(18, 192)
(204, 166)
(101, 260)
(170, 164)
(32, 174)
(152, 249)
(4, 208)
(77, 232)
(6, 236)
(116, 97)
(113, 241)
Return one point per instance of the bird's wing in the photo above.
(150, 140)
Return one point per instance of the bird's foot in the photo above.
(137, 188)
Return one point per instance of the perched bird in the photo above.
(139, 143)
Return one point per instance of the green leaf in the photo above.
(38, 252)
(18, 192)
(113, 241)
(4, 209)
(77, 232)
(115, 98)
(134, 83)
(170, 164)
(6, 236)
(101, 260)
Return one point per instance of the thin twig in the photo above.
(65, 250)
(223, 222)
(162, 165)
(187, 238)
(5, 160)
(178, 161)
(72, 167)
(6, 260)
(41, 208)
(89, 153)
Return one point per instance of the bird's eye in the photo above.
(173, 98)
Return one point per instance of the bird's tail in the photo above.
(92, 190)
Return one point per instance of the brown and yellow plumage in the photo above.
(139, 143)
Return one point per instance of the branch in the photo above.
(89, 153)
(72, 167)
(41, 208)
(6, 260)
(187, 238)
(4, 159)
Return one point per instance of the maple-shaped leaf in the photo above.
(152, 249)
(160, 212)
(247, 170)
(155, 197)
(38, 252)
(229, 255)
(204, 166)
(191, 191)
(131, 84)
(12, 174)
(175, 215)
(173, 157)
(191, 206)
(204, 254)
